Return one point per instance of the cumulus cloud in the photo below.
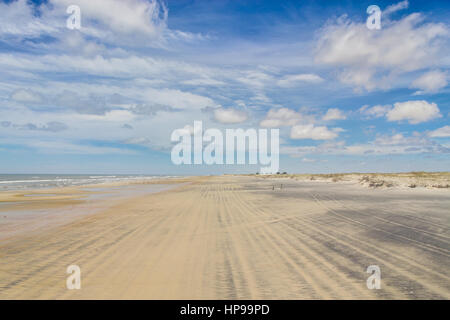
(377, 111)
(333, 114)
(131, 16)
(370, 60)
(229, 115)
(281, 117)
(292, 80)
(443, 132)
(430, 82)
(309, 131)
(413, 111)
(102, 18)
(130, 22)
(30, 25)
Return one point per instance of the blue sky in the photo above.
(105, 98)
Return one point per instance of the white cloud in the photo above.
(370, 59)
(430, 82)
(129, 65)
(377, 111)
(413, 111)
(178, 99)
(98, 98)
(334, 114)
(396, 7)
(30, 25)
(230, 115)
(394, 140)
(131, 16)
(52, 126)
(362, 77)
(21, 125)
(260, 97)
(382, 145)
(292, 80)
(282, 117)
(26, 96)
(108, 18)
(131, 22)
(309, 131)
(255, 78)
(62, 147)
(443, 132)
(204, 82)
(109, 116)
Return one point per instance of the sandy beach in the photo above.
(237, 237)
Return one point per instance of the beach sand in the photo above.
(240, 237)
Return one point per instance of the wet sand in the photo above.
(237, 237)
(33, 211)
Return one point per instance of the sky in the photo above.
(105, 98)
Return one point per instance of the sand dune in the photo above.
(237, 238)
(429, 180)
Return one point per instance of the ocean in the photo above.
(41, 181)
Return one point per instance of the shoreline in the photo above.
(37, 210)
(75, 192)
